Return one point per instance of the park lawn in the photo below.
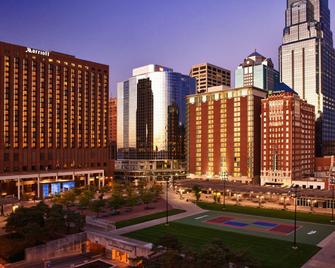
(265, 212)
(268, 253)
(154, 216)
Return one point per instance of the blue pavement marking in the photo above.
(236, 223)
(265, 224)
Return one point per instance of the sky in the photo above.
(130, 33)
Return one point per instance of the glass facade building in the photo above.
(151, 113)
(256, 71)
(307, 62)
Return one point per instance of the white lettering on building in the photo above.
(38, 52)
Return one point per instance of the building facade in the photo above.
(112, 119)
(257, 71)
(223, 133)
(54, 117)
(209, 75)
(288, 136)
(307, 62)
(151, 118)
(112, 134)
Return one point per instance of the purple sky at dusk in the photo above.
(128, 33)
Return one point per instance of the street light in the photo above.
(224, 178)
(332, 183)
(167, 201)
(294, 189)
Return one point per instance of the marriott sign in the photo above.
(36, 51)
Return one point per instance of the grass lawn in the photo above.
(273, 213)
(269, 253)
(158, 215)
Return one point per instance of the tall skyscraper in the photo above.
(53, 121)
(151, 119)
(307, 64)
(223, 133)
(257, 71)
(112, 119)
(288, 136)
(209, 75)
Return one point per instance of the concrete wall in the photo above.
(71, 244)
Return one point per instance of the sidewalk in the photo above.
(266, 204)
(175, 201)
(325, 258)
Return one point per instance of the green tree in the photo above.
(116, 202)
(197, 192)
(74, 221)
(148, 197)
(97, 206)
(68, 198)
(85, 198)
(54, 222)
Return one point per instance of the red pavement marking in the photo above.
(221, 219)
(283, 228)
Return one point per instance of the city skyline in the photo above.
(107, 32)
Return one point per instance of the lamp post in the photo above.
(332, 183)
(294, 189)
(167, 201)
(224, 178)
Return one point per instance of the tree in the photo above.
(68, 198)
(55, 223)
(197, 192)
(85, 198)
(103, 191)
(116, 202)
(75, 221)
(157, 190)
(148, 197)
(18, 221)
(97, 206)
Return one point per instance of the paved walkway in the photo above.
(175, 201)
(325, 258)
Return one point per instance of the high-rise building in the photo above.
(223, 133)
(256, 71)
(53, 121)
(209, 75)
(112, 119)
(288, 136)
(307, 64)
(151, 120)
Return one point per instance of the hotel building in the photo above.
(209, 75)
(112, 134)
(112, 119)
(288, 136)
(256, 71)
(151, 122)
(54, 121)
(307, 64)
(223, 133)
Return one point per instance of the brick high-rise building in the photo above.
(53, 120)
(288, 137)
(223, 133)
(209, 75)
(112, 134)
(112, 119)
